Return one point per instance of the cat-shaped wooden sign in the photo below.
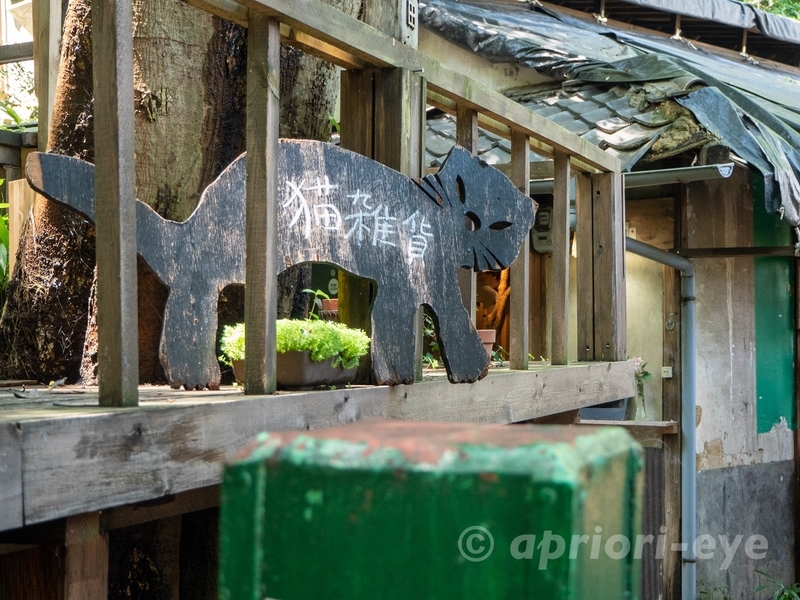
(335, 206)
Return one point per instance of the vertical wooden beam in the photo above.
(467, 137)
(520, 269)
(608, 225)
(358, 135)
(263, 85)
(383, 117)
(115, 185)
(561, 253)
(671, 411)
(538, 301)
(584, 266)
(47, 28)
(86, 559)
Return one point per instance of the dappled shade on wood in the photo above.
(411, 237)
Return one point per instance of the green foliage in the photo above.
(316, 303)
(497, 355)
(717, 593)
(430, 343)
(231, 344)
(787, 8)
(781, 591)
(323, 340)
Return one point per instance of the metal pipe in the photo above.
(688, 408)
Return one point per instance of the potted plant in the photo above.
(311, 352)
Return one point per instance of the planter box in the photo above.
(296, 370)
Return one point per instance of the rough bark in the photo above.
(190, 84)
(43, 322)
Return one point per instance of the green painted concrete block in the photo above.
(431, 511)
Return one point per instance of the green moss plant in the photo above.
(322, 339)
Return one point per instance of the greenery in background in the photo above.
(430, 343)
(787, 8)
(18, 98)
(323, 340)
(316, 302)
(781, 591)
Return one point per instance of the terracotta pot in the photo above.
(296, 370)
(488, 337)
(238, 370)
(329, 310)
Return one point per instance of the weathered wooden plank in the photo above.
(326, 23)
(46, 50)
(538, 301)
(117, 318)
(608, 225)
(11, 53)
(561, 258)
(227, 9)
(10, 477)
(132, 456)
(641, 431)
(584, 266)
(467, 138)
(143, 512)
(263, 107)
(357, 134)
(519, 306)
(406, 234)
(20, 202)
(86, 559)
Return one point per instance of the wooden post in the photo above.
(86, 559)
(561, 252)
(47, 28)
(608, 225)
(383, 117)
(358, 133)
(584, 266)
(115, 185)
(520, 269)
(263, 92)
(467, 137)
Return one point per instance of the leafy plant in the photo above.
(231, 344)
(316, 302)
(717, 593)
(429, 361)
(787, 8)
(497, 355)
(781, 591)
(322, 339)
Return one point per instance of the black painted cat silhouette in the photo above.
(335, 206)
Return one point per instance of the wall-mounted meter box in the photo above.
(542, 232)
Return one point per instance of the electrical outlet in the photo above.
(666, 372)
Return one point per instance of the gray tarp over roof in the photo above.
(753, 109)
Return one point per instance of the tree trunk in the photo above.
(190, 102)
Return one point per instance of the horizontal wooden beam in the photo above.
(162, 508)
(738, 251)
(641, 431)
(11, 53)
(98, 458)
(363, 45)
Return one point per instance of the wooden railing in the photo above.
(326, 32)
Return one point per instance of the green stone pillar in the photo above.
(432, 511)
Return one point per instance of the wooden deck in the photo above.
(61, 454)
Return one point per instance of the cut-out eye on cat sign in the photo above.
(499, 225)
